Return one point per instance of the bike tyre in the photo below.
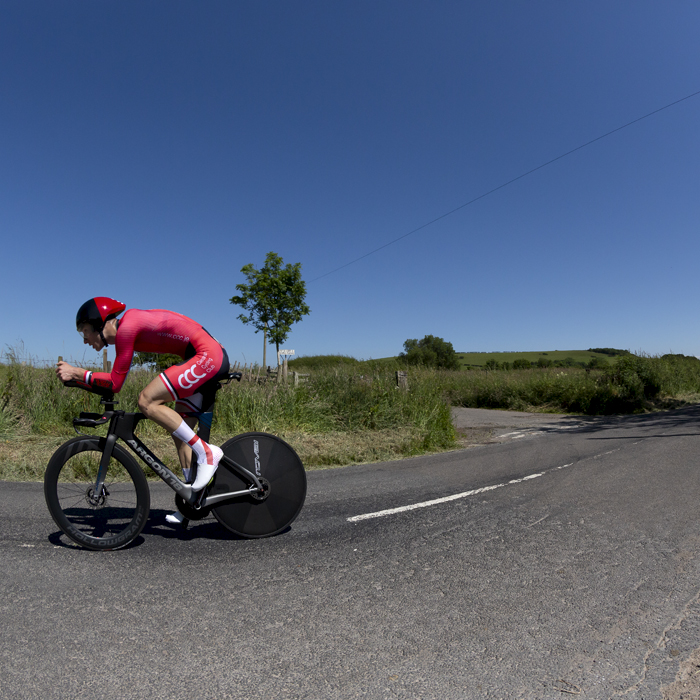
(280, 466)
(72, 470)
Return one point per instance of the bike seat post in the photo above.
(206, 416)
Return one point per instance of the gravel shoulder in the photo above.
(480, 426)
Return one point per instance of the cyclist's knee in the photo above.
(147, 403)
(153, 396)
(144, 404)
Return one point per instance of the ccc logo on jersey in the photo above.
(189, 378)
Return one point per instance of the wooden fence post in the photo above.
(402, 380)
(298, 378)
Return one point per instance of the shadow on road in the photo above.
(679, 418)
(208, 529)
(480, 426)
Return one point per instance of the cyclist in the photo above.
(157, 331)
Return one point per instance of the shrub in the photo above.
(639, 377)
(612, 352)
(322, 362)
(157, 361)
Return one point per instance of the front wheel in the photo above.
(281, 472)
(107, 520)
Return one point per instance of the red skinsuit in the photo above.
(163, 332)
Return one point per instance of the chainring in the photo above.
(188, 511)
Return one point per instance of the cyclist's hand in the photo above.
(66, 372)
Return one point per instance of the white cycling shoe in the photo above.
(175, 518)
(205, 472)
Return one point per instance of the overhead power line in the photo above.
(505, 184)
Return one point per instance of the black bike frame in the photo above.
(122, 426)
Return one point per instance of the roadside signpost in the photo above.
(283, 354)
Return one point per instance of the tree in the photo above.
(273, 299)
(430, 352)
(159, 361)
(521, 363)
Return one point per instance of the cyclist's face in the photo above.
(91, 336)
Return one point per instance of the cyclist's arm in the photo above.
(102, 379)
(115, 379)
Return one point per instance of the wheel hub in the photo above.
(95, 501)
(262, 495)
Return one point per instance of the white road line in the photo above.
(446, 499)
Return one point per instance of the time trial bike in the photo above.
(99, 497)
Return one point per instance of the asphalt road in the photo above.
(564, 564)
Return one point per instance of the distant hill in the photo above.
(556, 357)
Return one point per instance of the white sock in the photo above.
(201, 448)
(184, 432)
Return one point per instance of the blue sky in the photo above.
(150, 149)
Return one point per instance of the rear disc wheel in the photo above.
(282, 475)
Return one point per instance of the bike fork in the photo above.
(104, 463)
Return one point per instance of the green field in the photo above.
(479, 359)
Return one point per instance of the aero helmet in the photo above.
(98, 311)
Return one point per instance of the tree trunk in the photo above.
(265, 348)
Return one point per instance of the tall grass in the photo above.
(354, 412)
(364, 397)
(632, 384)
(336, 417)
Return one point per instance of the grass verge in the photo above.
(24, 458)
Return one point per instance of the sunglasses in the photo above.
(84, 330)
